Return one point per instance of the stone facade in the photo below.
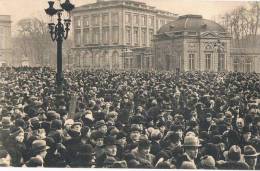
(106, 32)
(192, 43)
(5, 40)
(245, 60)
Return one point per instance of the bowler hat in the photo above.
(3, 153)
(76, 123)
(100, 124)
(121, 135)
(56, 124)
(191, 141)
(234, 153)
(86, 149)
(34, 162)
(207, 161)
(15, 131)
(228, 114)
(144, 143)
(51, 115)
(246, 129)
(188, 165)
(6, 121)
(135, 128)
(39, 146)
(250, 151)
(109, 140)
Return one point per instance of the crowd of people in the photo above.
(129, 119)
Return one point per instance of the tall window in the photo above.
(115, 35)
(1, 38)
(222, 62)
(191, 62)
(236, 64)
(248, 65)
(143, 37)
(105, 35)
(96, 35)
(136, 19)
(86, 36)
(128, 18)
(136, 36)
(151, 34)
(162, 22)
(143, 20)
(115, 18)
(105, 19)
(77, 22)
(77, 37)
(128, 35)
(151, 21)
(95, 20)
(208, 61)
(86, 21)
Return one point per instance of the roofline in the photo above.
(120, 5)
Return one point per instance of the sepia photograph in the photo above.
(133, 84)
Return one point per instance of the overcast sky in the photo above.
(19, 9)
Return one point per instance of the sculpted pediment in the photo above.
(209, 35)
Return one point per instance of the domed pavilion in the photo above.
(192, 43)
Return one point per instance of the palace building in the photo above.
(192, 43)
(109, 33)
(5, 40)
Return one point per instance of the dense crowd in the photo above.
(129, 119)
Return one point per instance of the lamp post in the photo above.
(58, 33)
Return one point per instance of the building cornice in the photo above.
(94, 7)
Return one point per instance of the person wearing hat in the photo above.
(110, 151)
(74, 142)
(15, 146)
(51, 115)
(250, 156)
(101, 126)
(156, 137)
(5, 130)
(246, 137)
(142, 152)
(97, 141)
(39, 148)
(84, 157)
(88, 119)
(5, 158)
(206, 122)
(112, 116)
(191, 149)
(234, 160)
(188, 165)
(121, 144)
(207, 162)
(34, 162)
(134, 137)
(56, 126)
(67, 126)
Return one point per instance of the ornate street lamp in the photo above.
(59, 32)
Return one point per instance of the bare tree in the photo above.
(33, 41)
